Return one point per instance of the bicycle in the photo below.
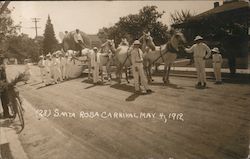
(15, 102)
(16, 105)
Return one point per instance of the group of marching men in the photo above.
(56, 67)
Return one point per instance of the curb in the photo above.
(10, 145)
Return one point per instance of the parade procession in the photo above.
(125, 79)
(57, 67)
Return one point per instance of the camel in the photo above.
(122, 57)
(166, 53)
(68, 42)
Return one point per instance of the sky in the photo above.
(90, 16)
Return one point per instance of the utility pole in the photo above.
(36, 20)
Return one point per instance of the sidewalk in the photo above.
(10, 146)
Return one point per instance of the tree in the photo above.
(7, 27)
(180, 16)
(132, 27)
(50, 42)
(3, 6)
(22, 47)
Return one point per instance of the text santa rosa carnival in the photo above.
(56, 113)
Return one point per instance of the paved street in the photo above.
(212, 123)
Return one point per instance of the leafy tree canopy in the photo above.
(132, 27)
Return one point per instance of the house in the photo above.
(225, 26)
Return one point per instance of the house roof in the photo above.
(226, 7)
(223, 8)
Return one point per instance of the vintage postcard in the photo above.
(125, 79)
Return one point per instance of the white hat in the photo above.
(198, 38)
(215, 50)
(41, 56)
(137, 42)
(95, 48)
(54, 54)
(48, 55)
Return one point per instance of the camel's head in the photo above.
(147, 36)
(147, 40)
(108, 45)
(124, 42)
(179, 39)
(110, 42)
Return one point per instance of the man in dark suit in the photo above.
(3, 89)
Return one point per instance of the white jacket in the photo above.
(93, 60)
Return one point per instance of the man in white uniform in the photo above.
(67, 66)
(137, 67)
(62, 65)
(201, 52)
(217, 62)
(95, 65)
(41, 65)
(48, 63)
(56, 68)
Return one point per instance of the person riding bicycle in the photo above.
(3, 90)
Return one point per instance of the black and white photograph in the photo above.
(125, 79)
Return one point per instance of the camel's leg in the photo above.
(108, 68)
(119, 73)
(126, 73)
(146, 71)
(101, 71)
(168, 71)
(156, 67)
(150, 73)
(164, 74)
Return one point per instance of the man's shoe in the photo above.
(204, 84)
(149, 91)
(198, 85)
(144, 92)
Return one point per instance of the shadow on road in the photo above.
(87, 81)
(44, 86)
(93, 85)
(132, 97)
(170, 85)
(127, 88)
(35, 84)
(123, 87)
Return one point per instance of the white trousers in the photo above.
(43, 74)
(217, 71)
(67, 71)
(57, 74)
(47, 76)
(95, 72)
(139, 76)
(200, 68)
(63, 71)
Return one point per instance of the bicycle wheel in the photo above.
(19, 112)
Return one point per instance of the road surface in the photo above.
(212, 123)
